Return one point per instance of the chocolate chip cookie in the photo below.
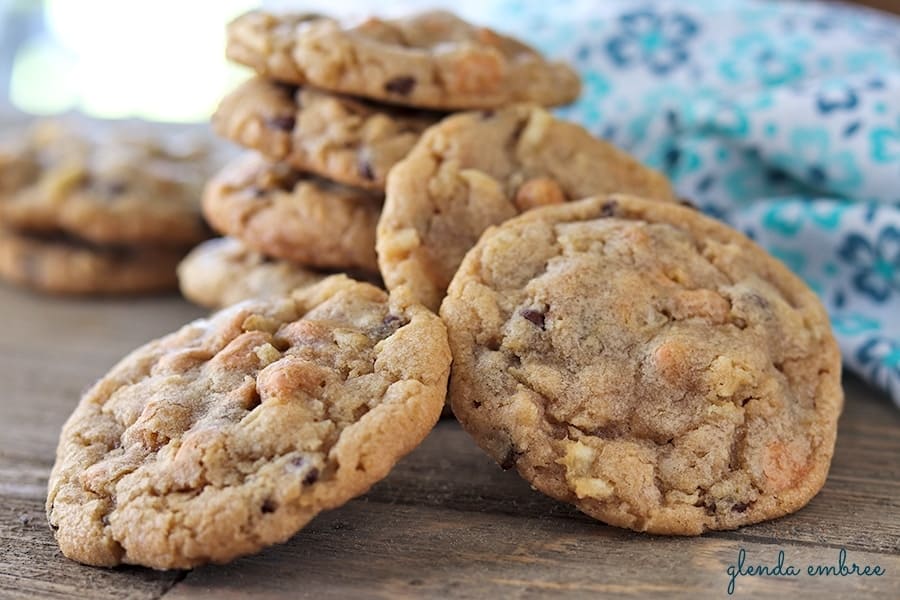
(288, 214)
(475, 170)
(343, 139)
(107, 183)
(645, 363)
(232, 433)
(59, 264)
(223, 271)
(430, 60)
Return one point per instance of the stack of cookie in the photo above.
(92, 207)
(625, 354)
(332, 109)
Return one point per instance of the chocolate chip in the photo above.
(535, 316)
(285, 88)
(608, 432)
(740, 507)
(282, 123)
(268, 506)
(311, 477)
(389, 325)
(54, 527)
(365, 169)
(758, 301)
(711, 508)
(402, 85)
(609, 208)
(509, 461)
(115, 188)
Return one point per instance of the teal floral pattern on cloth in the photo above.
(781, 118)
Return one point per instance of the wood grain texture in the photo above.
(447, 522)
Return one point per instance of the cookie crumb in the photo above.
(400, 85)
(282, 123)
(267, 354)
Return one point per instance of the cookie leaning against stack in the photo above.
(99, 208)
(328, 127)
(478, 169)
(648, 364)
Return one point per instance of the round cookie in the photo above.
(340, 138)
(475, 170)
(108, 183)
(60, 265)
(234, 432)
(430, 60)
(645, 363)
(223, 271)
(287, 214)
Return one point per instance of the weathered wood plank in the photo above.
(51, 350)
(33, 567)
(85, 331)
(372, 550)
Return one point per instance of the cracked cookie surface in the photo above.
(232, 433)
(430, 60)
(108, 183)
(344, 139)
(475, 170)
(287, 214)
(645, 363)
(223, 271)
(62, 265)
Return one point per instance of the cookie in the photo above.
(475, 170)
(346, 140)
(292, 215)
(232, 433)
(108, 183)
(430, 60)
(223, 271)
(61, 265)
(645, 363)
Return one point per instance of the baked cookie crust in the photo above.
(287, 214)
(343, 139)
(430, 60)
(107, 183)
(66, 266)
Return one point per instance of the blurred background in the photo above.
(154, 59)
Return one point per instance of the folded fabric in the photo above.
(781, 118)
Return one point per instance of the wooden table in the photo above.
(447, 522)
